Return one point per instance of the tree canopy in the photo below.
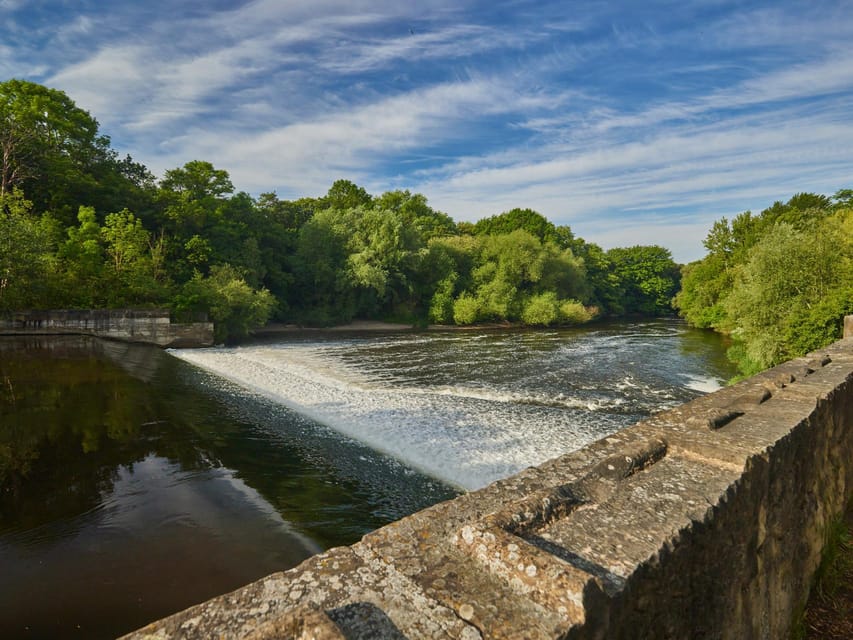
(82, 227)
(779, 282)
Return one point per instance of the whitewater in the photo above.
(470, 409)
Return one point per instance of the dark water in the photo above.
(132, 488)
(134, 484)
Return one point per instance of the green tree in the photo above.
(198, 180)
(52, 150)
(704, 286)
(135, 275)
(541, 309)
(648, 276)
(344, 194)
(603, 288)
(519, 219)
(515, 270)
(793, 291)
(321, 291)
(414, 212)
(234, 307)
(126, 239)
(192, 201)
(443, 272)
(25, 254)
(82, 256)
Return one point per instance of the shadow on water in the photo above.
(131, 487)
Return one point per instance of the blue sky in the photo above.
(634, 123)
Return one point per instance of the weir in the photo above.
(149, 326)
(706, 520)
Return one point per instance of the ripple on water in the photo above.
(466, 409)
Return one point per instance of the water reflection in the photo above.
(129, 488)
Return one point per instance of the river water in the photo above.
(136, 482)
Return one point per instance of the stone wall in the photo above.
(705, 521)
(151, 326)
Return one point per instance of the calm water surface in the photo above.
(134, 483)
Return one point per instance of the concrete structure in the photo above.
(152, 326)
(705, 521)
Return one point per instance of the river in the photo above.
(136, 482)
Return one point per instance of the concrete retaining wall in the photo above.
(705, 521)
(151, 326)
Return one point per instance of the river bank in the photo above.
(378, 326)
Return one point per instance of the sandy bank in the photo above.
(367, 326)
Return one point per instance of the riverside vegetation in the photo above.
(82, 227)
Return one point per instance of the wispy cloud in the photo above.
(614, 118)
(318, 151)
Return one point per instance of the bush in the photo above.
(573, 312)
(541, 310)
(441, 305)
(234, 307)
(465, 309)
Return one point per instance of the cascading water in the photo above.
(469, 408)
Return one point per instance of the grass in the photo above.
(829, 611)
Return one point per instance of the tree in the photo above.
(135, 275)
(192, 200)
(382, 255)
(414, 212)
(511, 276)
(704, 286)
(38, 128)
(443, 272)
(126, 239)
(344, 194)
(648, 276)
(25, 253)
(602, 286)
(198, 180)
(515, 219)
(321, 287)
(795, 287)
(52, 150)
(234, 307)
(82, 255)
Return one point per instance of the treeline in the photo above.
(778, 282)
(82, 227)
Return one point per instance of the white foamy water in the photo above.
(704, 384)
(470, 409)
(465, 437)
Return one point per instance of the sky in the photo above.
(632, 122)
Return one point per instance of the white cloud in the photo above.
(110, 82)
(316, 152)
(455, 41)
(291, 96)
(742, 162)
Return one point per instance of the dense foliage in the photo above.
(82, 228)
(779, 282)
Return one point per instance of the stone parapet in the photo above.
(704, 521)
(152, 326)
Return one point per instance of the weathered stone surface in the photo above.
(705, 521)
(152, 326)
